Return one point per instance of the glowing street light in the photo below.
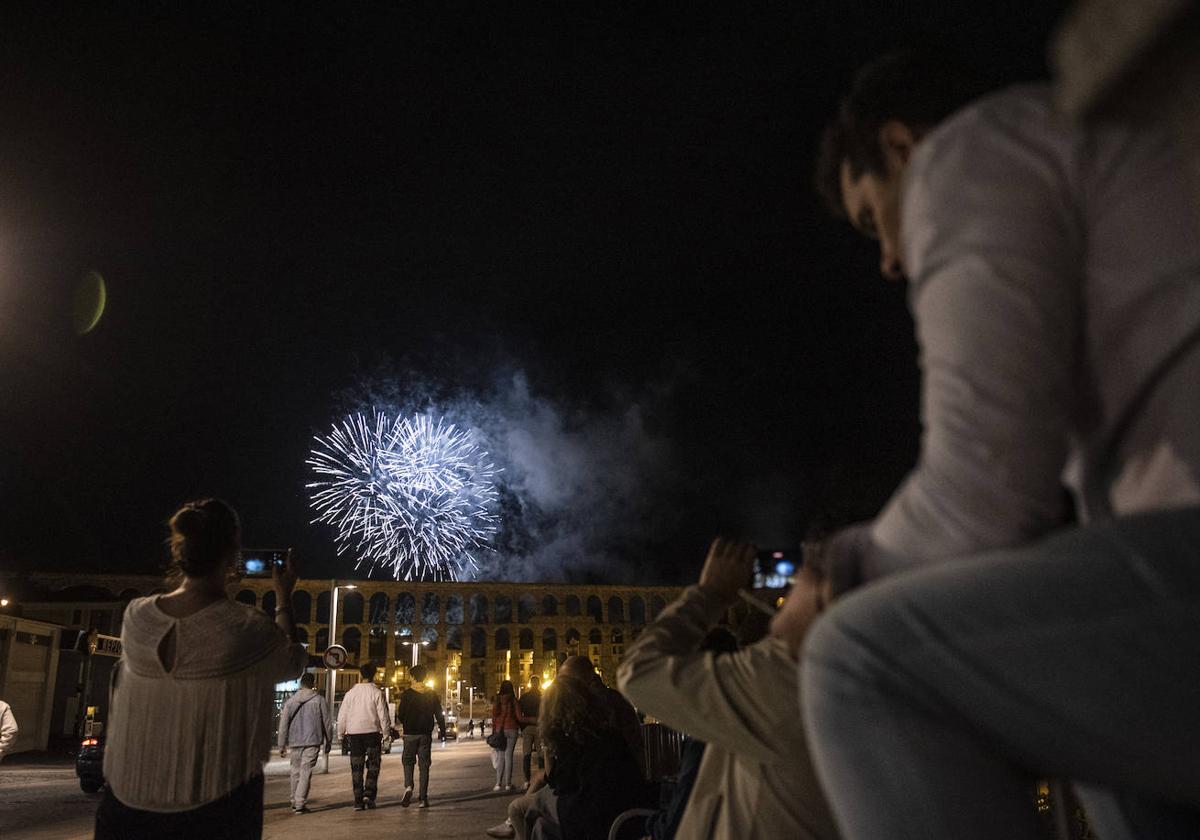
(416, 646)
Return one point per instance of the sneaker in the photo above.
(508, 787)
(360, 806)
(505, 829)
(370, 804)
(424, 803)
(303, 809)
(498, 787)
(407, 797)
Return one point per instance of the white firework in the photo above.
(410, 493)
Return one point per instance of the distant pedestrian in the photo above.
(529, 706)
(419, 709)
(189, 726)
(305, 725)
(363, 723)
(471, 728)
(8, 728)
(482, 723)
(505, 723)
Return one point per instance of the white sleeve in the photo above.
(344, 713)
(381, 712)
(993, 252)
(8, 728)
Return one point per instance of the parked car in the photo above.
(89, 764)
(451, 730)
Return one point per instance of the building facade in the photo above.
(470, 636)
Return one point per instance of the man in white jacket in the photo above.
(8, 728)
(363, 722)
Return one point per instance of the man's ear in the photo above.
(896, 140)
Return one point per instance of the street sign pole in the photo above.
(331, 673)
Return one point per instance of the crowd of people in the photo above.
(927, 664)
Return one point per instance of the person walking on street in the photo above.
(529, 706)
(304, 726)
(417, 712)
(471, 728)
(8, 728)
(363, 723)
(505, 722)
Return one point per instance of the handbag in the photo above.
(497, 740)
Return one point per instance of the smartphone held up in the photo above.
(776, 568)
(262, 562)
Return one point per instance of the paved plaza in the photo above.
(41, 800)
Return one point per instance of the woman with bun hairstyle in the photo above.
(191, 712)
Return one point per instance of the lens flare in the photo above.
(412, 494)
(90, 298)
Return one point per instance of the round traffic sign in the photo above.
(335, 656)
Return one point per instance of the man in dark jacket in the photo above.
(530, 704)
(417, 712)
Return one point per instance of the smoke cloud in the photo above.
(583, 492)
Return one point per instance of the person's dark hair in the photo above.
(418, 672)
(571, 712)
(367, 669)
(308, 680)
(506, 687)
(204, 534)
(719, 640)
(535, 682)
(919, 88)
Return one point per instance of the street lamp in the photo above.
(331, 673)
(414, 645)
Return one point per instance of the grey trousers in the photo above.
(304, 759)
(930, 699)
(416, 751)
(524, 810)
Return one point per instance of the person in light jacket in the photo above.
(8, 728)
(364, 722)
(304, 726)
(756, 780)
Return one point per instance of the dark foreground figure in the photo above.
(1054, 277)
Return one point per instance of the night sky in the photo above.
(611, 207)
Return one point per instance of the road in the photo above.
(41, 801)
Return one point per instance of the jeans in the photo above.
(304, 759)
(529, 745)
(238, 815)
(364, 751)
(504, 766)
(932, 697)
(416, 750)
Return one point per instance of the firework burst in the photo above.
(411, 494)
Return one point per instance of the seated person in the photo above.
(756, 779)
(591, 774)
